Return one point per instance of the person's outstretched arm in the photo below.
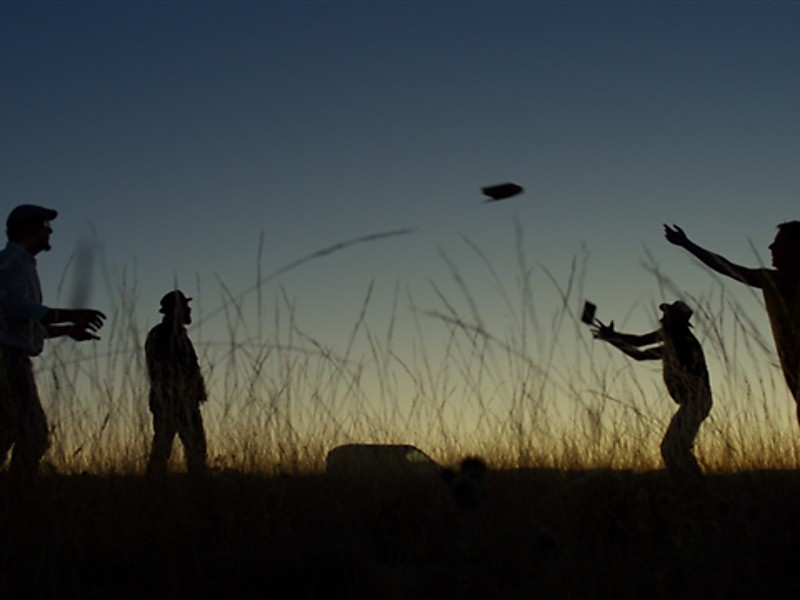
(79, 324)
(754, 277)
(654, 353)
(609, 334)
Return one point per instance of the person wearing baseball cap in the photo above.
(686, 378)
(177, 388)
(25, 323)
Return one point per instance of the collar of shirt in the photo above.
(16, 250)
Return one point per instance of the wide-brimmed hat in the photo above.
(678, 310)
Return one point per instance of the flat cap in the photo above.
(26, 214)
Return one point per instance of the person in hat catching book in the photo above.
(177, 388)
(780, 287)
(25, 322)
(686, 378)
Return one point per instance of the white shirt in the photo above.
(21, 308)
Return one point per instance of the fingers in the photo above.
(604, 332)
(674, 234)
(97, 317)
(90, 319)
(80, 334)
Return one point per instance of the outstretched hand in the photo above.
(675, 235)
(603, 332)
(80, 334)
(88, 320)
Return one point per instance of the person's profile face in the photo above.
(785, 251)
(673, 319)
(183, 313)
(41, 237)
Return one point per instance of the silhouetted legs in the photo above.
(23, 423)
(678, 442)
(189, 428)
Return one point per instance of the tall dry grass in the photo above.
(529, 388)
(573, 509)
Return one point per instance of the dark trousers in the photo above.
(23, 423)
(187, 424)
(678, 442)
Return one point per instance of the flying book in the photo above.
(501, 191)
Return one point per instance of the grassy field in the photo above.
(541, 534)
(577, 505)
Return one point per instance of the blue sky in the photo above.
(179, 133)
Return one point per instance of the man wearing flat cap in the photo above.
(25, 322)
(177, 388)
(686, 378)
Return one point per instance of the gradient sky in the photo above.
(171, 136)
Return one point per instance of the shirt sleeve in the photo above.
(17, 299)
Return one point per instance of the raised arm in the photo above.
(754, 277)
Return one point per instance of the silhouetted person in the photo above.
(177, 388)
(25, 322)
(685, 375)
(779, 286)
